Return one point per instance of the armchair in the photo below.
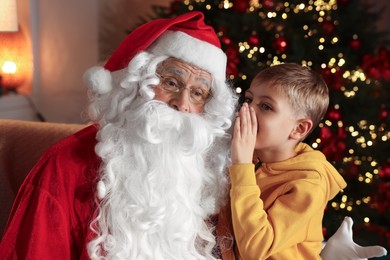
(21, 145)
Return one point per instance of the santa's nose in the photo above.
(181, 101)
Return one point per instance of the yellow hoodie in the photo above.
(277, 212)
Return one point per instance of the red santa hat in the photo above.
(185, 37)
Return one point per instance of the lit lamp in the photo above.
(14, 61)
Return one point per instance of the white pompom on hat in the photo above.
(99, 80)
(185, 37)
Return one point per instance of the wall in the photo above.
(23, 8)
(117, 17)
(64, 37)
(67, 38)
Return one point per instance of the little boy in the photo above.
(277, 210)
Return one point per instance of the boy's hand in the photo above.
(244, 135)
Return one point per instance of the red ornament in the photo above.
(352, 171)
(333, 145)
(232, 60)
(355, 44)
(383, 197)
(374, 73)
(333, 115)
(377, 66)
(226, 40)
(280, 44)
(241, 5)
(386, 74)
(384, 171)
(383, 113)
(254, 40)
(335, 79)
(325, 134)
(268, 4)
(328, 27)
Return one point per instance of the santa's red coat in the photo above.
(52, 211)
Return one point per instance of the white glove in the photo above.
(341, 246)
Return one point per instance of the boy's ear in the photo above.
(302, 128)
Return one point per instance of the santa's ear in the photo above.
(301, 129)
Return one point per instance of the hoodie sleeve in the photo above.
(260, 234)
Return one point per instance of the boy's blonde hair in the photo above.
(306, 90)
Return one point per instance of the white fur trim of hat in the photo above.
(189, 49)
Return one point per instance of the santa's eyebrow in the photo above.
(204, 81)
(182, 74)
(176, 71)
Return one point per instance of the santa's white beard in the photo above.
(157, 189)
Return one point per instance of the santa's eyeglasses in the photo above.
(200, 94)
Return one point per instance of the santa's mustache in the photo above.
(154, 122)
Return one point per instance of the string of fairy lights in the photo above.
(321, 7)
(364, 133)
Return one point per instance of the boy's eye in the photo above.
(264, 106)
(247, 100)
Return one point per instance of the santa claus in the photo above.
(143, 180)
(162, 175)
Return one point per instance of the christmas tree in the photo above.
(340, 40)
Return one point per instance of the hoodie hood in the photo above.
(310, 164)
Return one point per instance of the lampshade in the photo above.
(8, 16)
(15, 59)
